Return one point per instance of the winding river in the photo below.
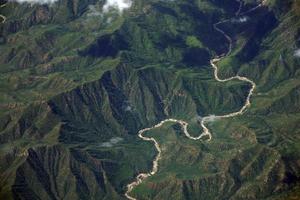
(206, 132)
(2, 16)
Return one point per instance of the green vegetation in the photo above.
(192, 41)
(70, 82)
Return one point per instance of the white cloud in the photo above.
(35, 1)
(120, 5)
(111, 142)
(240, 20)
(297, 53)
(93, 11)
(128, 108)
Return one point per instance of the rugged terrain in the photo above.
(78, 84)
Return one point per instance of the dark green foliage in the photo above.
(71, 83)
(106, 46)
(196, 57)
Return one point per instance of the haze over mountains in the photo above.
(79, 79)
(117, 4)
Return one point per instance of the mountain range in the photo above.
(78, 82)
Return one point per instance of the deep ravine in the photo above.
(206, 132)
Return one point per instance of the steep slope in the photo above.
(77, 87)
(259, 158)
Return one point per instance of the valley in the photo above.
(79, 84)
(184, 124)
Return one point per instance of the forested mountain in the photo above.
(78, 81)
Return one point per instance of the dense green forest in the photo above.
(78, 82)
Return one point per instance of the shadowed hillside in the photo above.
(76, 86)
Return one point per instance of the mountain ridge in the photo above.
(95, 98)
